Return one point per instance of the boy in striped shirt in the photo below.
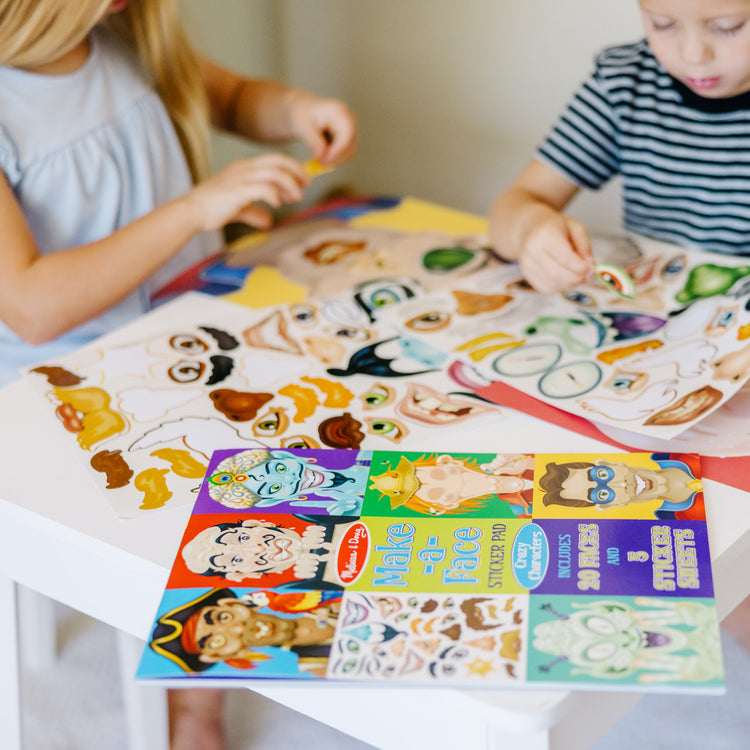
(671, 114)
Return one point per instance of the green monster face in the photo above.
(603, 639)
(708, 280)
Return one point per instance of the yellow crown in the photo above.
(398, 484)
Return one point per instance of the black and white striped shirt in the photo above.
(685, 159)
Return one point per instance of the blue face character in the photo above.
(259, 477)
(287, 477)
(281, 479)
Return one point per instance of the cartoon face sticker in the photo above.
(372, 296)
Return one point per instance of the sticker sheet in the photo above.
(654, 365)
(147, 405)
(332, 248)
(497, 570)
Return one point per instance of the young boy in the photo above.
(670, 113)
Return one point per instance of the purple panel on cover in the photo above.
(346, 474)
(627, 557)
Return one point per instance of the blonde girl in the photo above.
(104, 117)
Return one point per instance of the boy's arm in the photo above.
(527, 225)
(270, 112)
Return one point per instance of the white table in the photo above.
(59, 536)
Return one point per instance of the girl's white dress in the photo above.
(85, 154)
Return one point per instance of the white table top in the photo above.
(59, 536)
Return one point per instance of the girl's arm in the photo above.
(271, 112)
(527, 225)
(43, 297)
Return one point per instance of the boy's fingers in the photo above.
(579, 240)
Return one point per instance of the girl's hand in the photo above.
(556, 254)
(234, 193)
(326, 126)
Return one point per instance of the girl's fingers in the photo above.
(255, 216)
(262, 191)
(287, 184)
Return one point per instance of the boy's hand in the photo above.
(556, 254)
(326, 126)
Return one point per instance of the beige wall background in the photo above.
(452, 96)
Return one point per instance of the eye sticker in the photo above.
(673, 267)
(303, 315)
(375, 295)
(351, 333)
(429, 321)
(379, 395)
(391, 428)
(624, 381)
(616, 279)
(723, 319)
(570, 380)
(579, 298)
(530, 359)
(274, 422)
(187, 343)
(186, 371)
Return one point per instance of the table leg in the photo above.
(145, 706)
(10, 674)
(39, 643)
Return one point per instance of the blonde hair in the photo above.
(34, 32)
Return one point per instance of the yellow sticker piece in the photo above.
(305, 399)
(153, 484)
(87, 412)
(337, 394)
(313, 168)
(482, 340)
(264, 287)
(414, 215)
(182, 463)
